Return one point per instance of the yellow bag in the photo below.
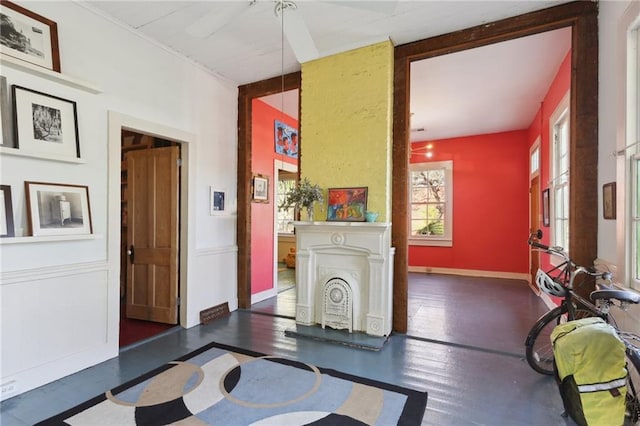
(591, 369)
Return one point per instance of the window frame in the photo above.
(445, 240)
(559, 182)
(628, 152)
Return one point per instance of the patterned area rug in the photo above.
(223, 385)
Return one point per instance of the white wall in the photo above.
(59, 300)
(614, 19)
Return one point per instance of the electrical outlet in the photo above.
(8, 389)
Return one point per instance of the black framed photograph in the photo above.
(216, 200)
(545, 207)
(57, 209)
(46, 125)
(28, 36)
(5, 115)
(260, 191)
(609, 200)
(6, 212)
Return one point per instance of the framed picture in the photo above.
(46, 125)
(216, 200)
(6, 212)
(545, 207)
(57, 209)
(347, 204)
(260, 189)
(28, 36)
(5, 115)
(609, 200)
(286, 139)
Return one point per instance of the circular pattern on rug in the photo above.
(246, 393)
(161, 400)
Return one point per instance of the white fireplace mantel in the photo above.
(344, 275)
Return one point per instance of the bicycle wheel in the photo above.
(539, 350)
(632, 412)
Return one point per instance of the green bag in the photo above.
(591, 370)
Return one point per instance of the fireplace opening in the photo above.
(337, 301)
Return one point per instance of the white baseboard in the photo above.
(470, 272)
(264, 295)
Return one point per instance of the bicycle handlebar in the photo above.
(559, 251)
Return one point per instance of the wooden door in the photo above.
(152, 235)
(534, 202)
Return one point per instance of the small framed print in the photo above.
(609, 200)
(260, 189)
(545, 207)
(6, 212)
(46, 125)
(28, 36)
(216, 201)
(57, 209)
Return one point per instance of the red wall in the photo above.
(490, 204)
(489, 170)
(263, 156)
(558, 89)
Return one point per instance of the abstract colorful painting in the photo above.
(347, 204)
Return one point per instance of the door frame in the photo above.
(582, 17)
(116, 123)
(246, 94)
(287, 167)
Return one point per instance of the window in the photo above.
(534, 163)
(430, 195)
(632, 153)
(560, 179)
(285, 216)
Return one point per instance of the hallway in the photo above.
(479, 377)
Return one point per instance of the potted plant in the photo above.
(303, 195)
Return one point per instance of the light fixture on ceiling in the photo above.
(426, 149)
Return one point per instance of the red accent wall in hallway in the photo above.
(490, 206)
(560, 86)
(263, 156)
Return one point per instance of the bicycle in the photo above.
(559, 282)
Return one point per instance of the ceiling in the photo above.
(489, 89)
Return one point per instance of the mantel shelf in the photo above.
(48, 239)
(12, 62)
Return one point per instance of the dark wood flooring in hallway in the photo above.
(464, 347)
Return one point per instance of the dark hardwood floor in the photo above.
(464, 347)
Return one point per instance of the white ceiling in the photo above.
(489, 89)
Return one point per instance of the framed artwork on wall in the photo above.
(260, 186)
(347, 204)
(57, 209)
(216, 200)
(46, 125)
(28, 36)
(5, 115)
(286, 139)
(609, 200)
(545, 207)
(6, 212)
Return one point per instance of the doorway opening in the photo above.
(150, 224)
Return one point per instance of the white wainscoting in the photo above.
(54, 323)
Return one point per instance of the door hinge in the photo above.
(177, 301)
(179, 162)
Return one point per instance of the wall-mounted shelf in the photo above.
(48, 74)
(18, 153)
(48, 239)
